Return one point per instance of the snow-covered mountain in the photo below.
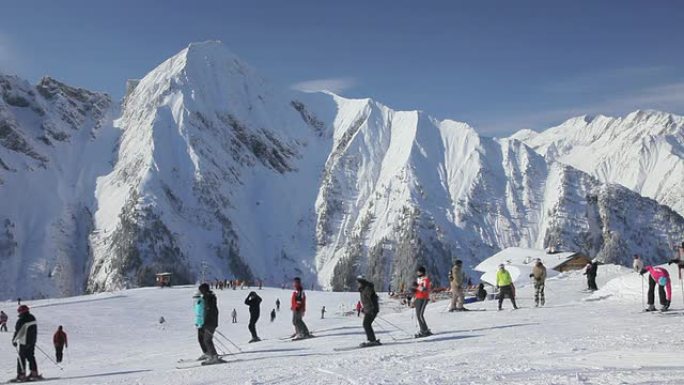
(643, 151)
(210, 171)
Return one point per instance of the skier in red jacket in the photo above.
(422, 297)
(60, 342)
(298, 307)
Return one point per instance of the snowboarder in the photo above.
(233, 315)
(59, 339)
(24, 339)
(481, 292)
(457, 278)
(369, 299)
(208, 325)
(278, 304)
(359, 307)
(539, 277)
(659, 276)
(591, 271)
(504, 283)
(273, 315)
(323, 312)
(3, 321)
(422, 297)
(638, 264)
(298, 307)
(254, 302)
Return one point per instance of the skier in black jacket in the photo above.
(369, 300)
(254, 302)
(207, 330)
(24, 339)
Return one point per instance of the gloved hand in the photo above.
(531, 275)
(14, 344)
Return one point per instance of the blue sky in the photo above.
(499, 65)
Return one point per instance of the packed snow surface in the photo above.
(578, 338)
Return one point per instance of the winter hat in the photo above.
(459, 262)
(421, 269)
(22, 309)
(203, 288)
(297, 279)
(501, 266)
(360, 278)
(662, 281)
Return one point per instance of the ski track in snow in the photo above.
(575, 340)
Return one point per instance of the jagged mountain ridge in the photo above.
(212, 172)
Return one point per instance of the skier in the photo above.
(254, 302)
(359, 307)
(457, 278)
(638, 264)
(59, 339)
(3, 321)
(273, 315)
(539, 276)
(659, 276)
(233, 315)
(504, 283)
(323, 312)
(298, 307)
(278, 304)
(591, 271)
(24, 339)
(481, 292)
(369, 298)
(422, 296)
(208, 325)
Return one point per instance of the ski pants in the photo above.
(457, 298)
(300, 327)
(506, 291)
(368, 319)
(205, 335)
(27, 353)
(420, 305)
(253, 318)
(3, 327)
(591, 282)
(59, 353)
(539, 292)
(651, 292)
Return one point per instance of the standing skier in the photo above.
(273, 315)
(661, 277)
(359, 307)
(209, 324)
(369, 298)
(298, 307)
(59, 339)
(24, 339)
(591, 272)
(539, 277)
(323, 312)
(254, 302)
(458, 279)
(233, 315)
(3, 321)
(638, 264)
(504, 283)
(422, 297)
(278, 304)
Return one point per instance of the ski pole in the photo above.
(643, 306)
(229, 340)
(395, 326)
(48, 357)
(389, 332)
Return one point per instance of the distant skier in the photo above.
(323, 312)
(298, 307)
(591, 272)
(458, 279)
(539, 277)
(422, 297)
(24, 339)
(359, 307)
(254, 302)
(278, 304)
(638, 264)
(59, 339)
(273, 315)
(369, 299)
(3, 321)
(208, 324)
(233, 316)
(481, 292)
(504, 283)
(661, 277)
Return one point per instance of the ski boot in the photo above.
(650, 308)
(203, 357)
(34, 376)
(21, 377)
(255, 339)
(215, 359)
(370, 343)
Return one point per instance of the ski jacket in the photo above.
(369, 298)
(253, 301)
(457, 277)
(539, 272)
(199, 311)
(298, 302)
(503, 278)
(3, 318)
(592, 270)
(211, 312)
(60, 339)
(423, 287)
(25, 330)
(638, 265)
(657, 273)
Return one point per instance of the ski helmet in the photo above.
(22, 309)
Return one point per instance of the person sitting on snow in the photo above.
(481, 292)
(660, 276)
